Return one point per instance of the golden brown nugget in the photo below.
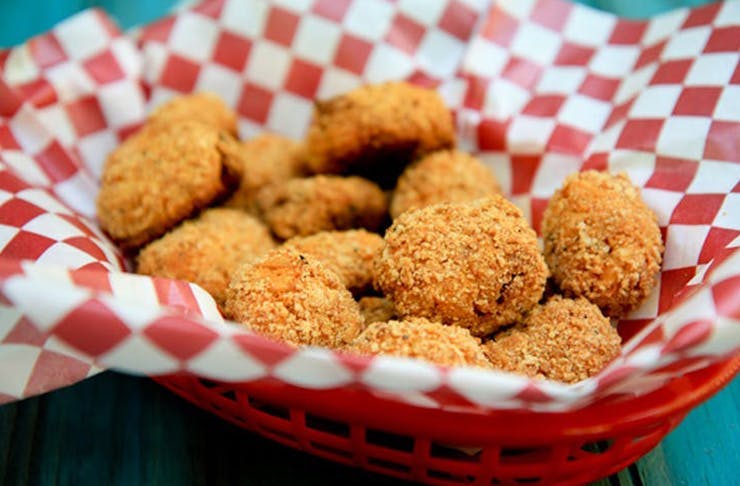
(301, 207)
(350, 254)
(378, 127)
(376, 309)
(565, 340)
(602, 242)
(157, 178)
(205, 107)
(293, 298)
(268, 158)
(207, 250)
(474, 264)
(420, 338)
(444, 176)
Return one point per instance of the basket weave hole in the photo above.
(389, 440)
(326, 425)
(524, 455)
(269, 408)
(591, 448)
(455, 453)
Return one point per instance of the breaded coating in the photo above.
(350, 254)
(207, 250)
(565, 340)
(157, 178)
(378, 129)
(268, 158)
(474, 264)
(293, 298)
(376, 309)
(205, 107)
(420, 338)
(602, 242)
(444, 176)
(301, 207)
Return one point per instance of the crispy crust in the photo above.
(376, 309)
(602, 242)
(475, 264)
(301, 207)
(420, 338)
(444, 176)
(157, 178)
(382, 125)
(565, 340)
(292, 297)
(350, 254)
(268, 158)
(207, 250)
(205, 107)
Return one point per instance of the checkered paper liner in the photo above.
(539, 89)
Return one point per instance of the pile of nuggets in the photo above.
(375, 235)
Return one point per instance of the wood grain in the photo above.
(704, 449)
(120, 430)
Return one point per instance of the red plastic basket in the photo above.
(441, 447)
(523, 110)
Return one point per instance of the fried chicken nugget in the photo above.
(207, 250)
(377, 129)
(602, 242)
(293, 297)
(376, 309)
(205, 107)
(350, 254)
(475, 264)
(301, 207)
(443, 176)
(565, 340)
(158, 178)
(420, 338)
(268, 158)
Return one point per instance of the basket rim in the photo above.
(628, 413)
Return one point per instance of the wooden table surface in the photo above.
(121, 430)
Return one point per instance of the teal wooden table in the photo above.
(120, 430)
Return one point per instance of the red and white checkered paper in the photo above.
(540, 89)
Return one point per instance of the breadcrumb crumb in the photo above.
(350, 254)
(565, 340)
(376, 309)
(268, 159)
(205, 107)
(301, 207)
(474, 264)
(207, 250)
(602, 242)
(157, 178)
(444, 176)
(294, 298)
(421, 338)
(378, 129)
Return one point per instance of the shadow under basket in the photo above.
(442, 447)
